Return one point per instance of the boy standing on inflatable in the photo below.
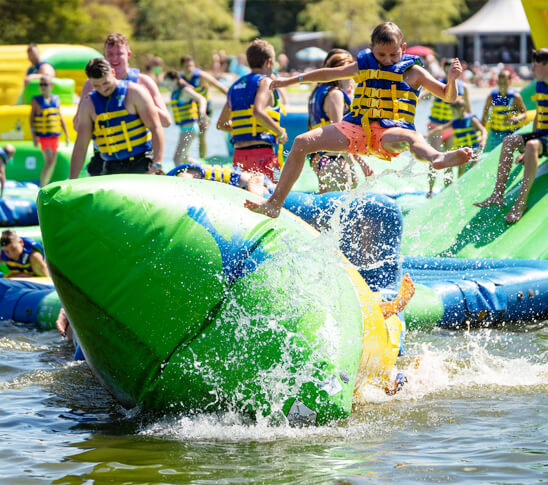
(382, 115)
(504, 110)
(531, 146)
(117, 53)
(123, 121)
(200, 81)
(46, 123)
(252, 114)
(37, 67)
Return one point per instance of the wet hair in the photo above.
(98, 68)
(505, 73)
(387, 33)
(9, 149)
(258, 52)
(116, 39)
(185, 59)
(8, 236)
(31, 46)
(171, 74)
(540, 55)
(337, 58)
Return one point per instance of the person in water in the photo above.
(6, 154)
(123, 121)
(504, 111)
(257, 183)
(531, 145)
(23, 256)
(382, 115)
(189, 110)
(328, 103)
(200, 80)
(252, 114)
(46, 123)
(118, 52)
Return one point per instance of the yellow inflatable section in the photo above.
(68, 60)
(537, 15)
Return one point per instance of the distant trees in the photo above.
(59, 21)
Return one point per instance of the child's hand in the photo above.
(519, 158)
(283, 138)
(279, 83)
(455, 70)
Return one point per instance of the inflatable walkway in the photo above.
(476, 268)
(206, 306)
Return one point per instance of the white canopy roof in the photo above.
(495, 17)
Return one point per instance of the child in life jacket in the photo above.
(46, 124)
(467, 132)
(328, 103)
(382, 115)
(504, 111)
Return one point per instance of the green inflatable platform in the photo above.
(202, 305)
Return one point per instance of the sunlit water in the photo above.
(475, 410)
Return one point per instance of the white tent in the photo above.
(496, 17)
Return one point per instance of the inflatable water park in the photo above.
(183, 300)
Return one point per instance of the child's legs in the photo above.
(203, 143)
(324, 139)
(50, 158)
(397, 140)
(509, 146)
(183, 145)
(530, 164)
(335, 174)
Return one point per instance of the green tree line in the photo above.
(195, 21)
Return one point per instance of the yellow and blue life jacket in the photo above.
(465, 133)
(22, 265)
(541, 97)
(118, 134)
(47, 123)
(241, 98)
(184, 112)
(382, 95)
(316, 112)
(35, 69)
(3, 156)
(441, 110)
(132, 75)
(218, 173)
(501, 108)
(195, 82)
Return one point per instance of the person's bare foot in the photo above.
(267, 207)
(407, 290)
(452, 159)
(493, 199)
(255, 184)
(515, 213)
(63, 325)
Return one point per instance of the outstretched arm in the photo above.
(486, 108)
(448, 92)
(481, 128)
(223, 123)
(325, 74)
(212, 80)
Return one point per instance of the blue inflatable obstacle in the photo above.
(18, 212)
(369, 229)
(478, 291)
(27, 301)
(451, 292)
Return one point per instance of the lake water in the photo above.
(475, 410)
